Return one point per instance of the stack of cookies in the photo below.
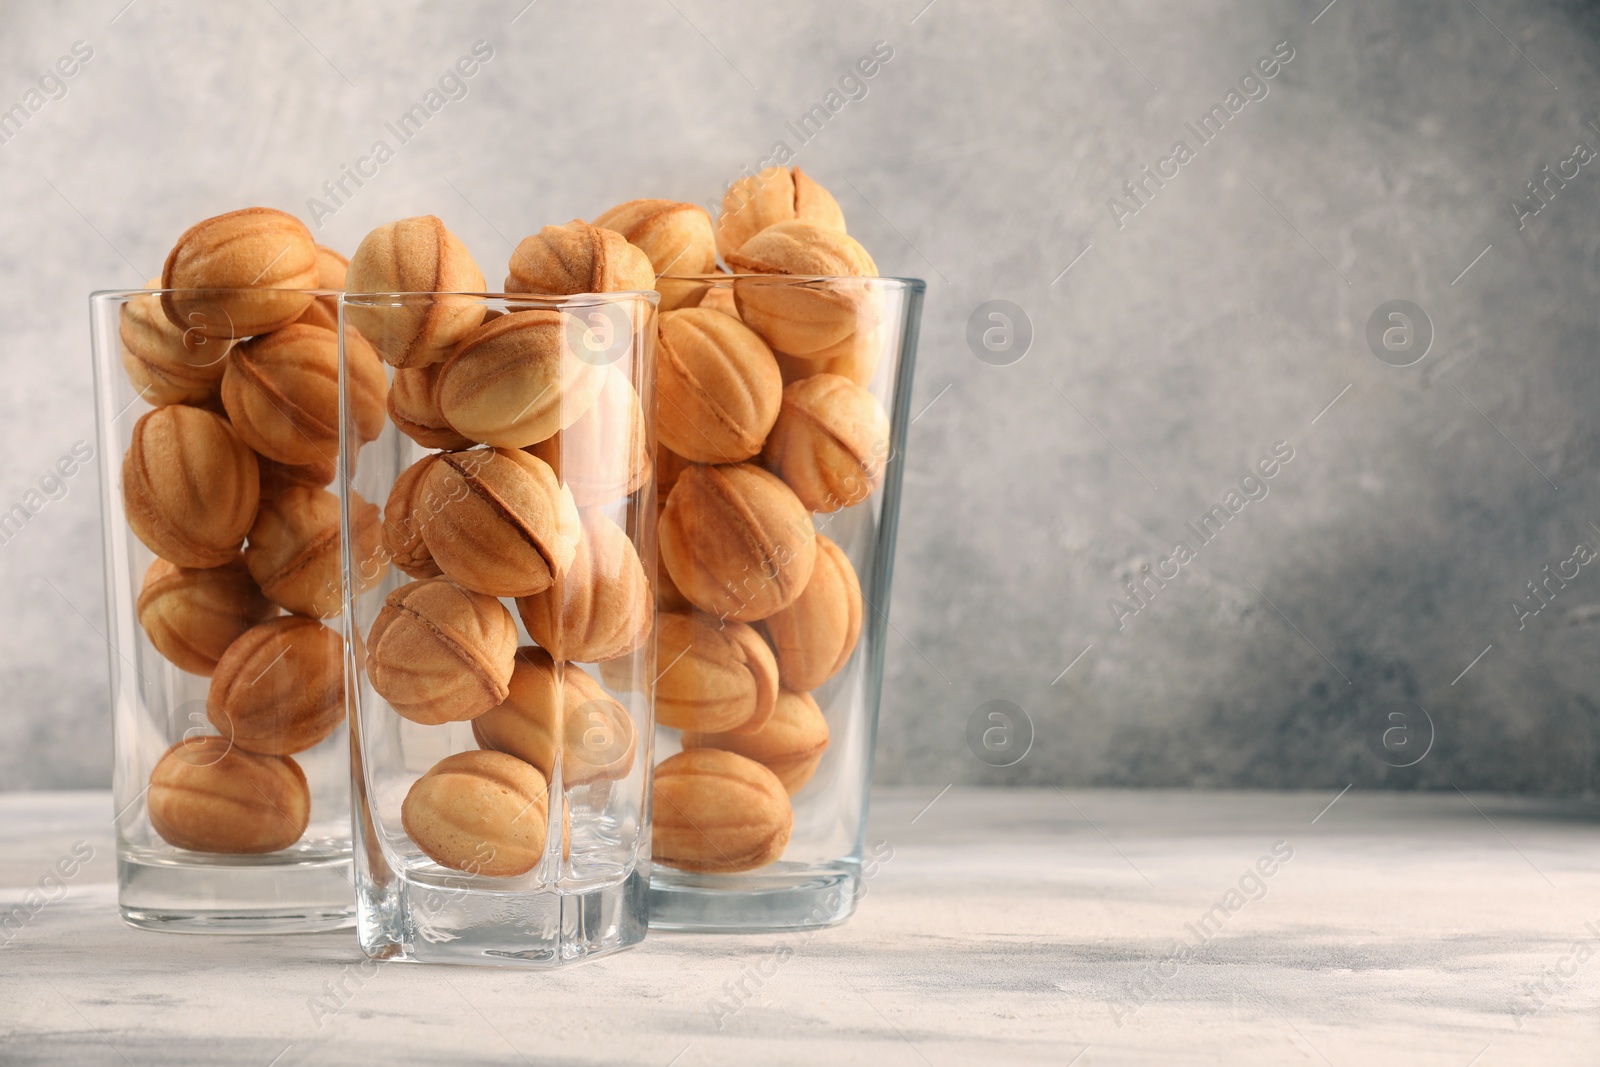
(225, 481)
(532, 438)
(763, 420)
(536, 443)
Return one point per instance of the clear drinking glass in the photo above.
(500, 787)
(231, 767)
(837, 446)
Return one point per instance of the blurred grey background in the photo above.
(1176, 340)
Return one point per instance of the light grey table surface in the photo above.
(1009, 927)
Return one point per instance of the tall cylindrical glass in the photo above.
(230, 756)
(501, 544)
(781, 490)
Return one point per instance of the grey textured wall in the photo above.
(1196, 329)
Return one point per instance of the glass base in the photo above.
(412, 920)
(215, 895)
(771, 900)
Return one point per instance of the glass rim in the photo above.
(396, 298)
(108, 295)
(885, 279)
(535, 301)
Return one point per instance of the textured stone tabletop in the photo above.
(1082, 928)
